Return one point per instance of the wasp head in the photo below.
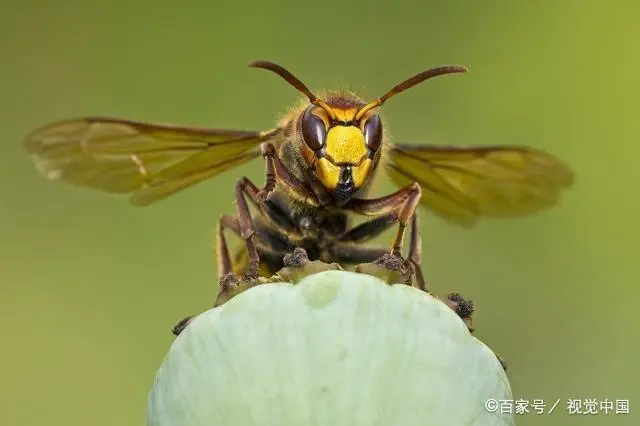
(342, 135)
(342, 150)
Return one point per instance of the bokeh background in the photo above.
(90, 286)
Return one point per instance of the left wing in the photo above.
(461, 184)
(149, 161)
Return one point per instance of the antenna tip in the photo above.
(255, 64)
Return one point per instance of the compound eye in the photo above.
(314, 131)
(373, 132)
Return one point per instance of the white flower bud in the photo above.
(336, 349)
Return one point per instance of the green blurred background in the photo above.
(90, 286)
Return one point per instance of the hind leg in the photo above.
(415, 253)
(223, 258)
(227, 267)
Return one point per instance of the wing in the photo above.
(148, 161)
(462, 184)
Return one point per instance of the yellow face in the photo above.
(341, 149)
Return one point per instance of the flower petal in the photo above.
(338, 348)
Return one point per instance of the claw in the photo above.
(297, 259)
(231, 285)
(297, 266)
(461, 306)
(503, 363)
(181, 325)
(390, 268)
(263, 194)
(464, 308)
(249, 275)
(269, 187)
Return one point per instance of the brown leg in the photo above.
(344, 253)
(223, 258)
(401, 207)
(276, 173)
(402, 204)
(181, 325)
(246, 188)
(242, 225)
(368, 230)
(372, 229)
(415, 253)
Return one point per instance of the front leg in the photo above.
(275, 174)
(398, 207)
(402, 204)
(415, 253)
(245, 189)
(278, 174)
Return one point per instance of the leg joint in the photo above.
(242, 183)
(415, 190)
(267, 149)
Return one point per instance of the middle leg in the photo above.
(369, 229)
